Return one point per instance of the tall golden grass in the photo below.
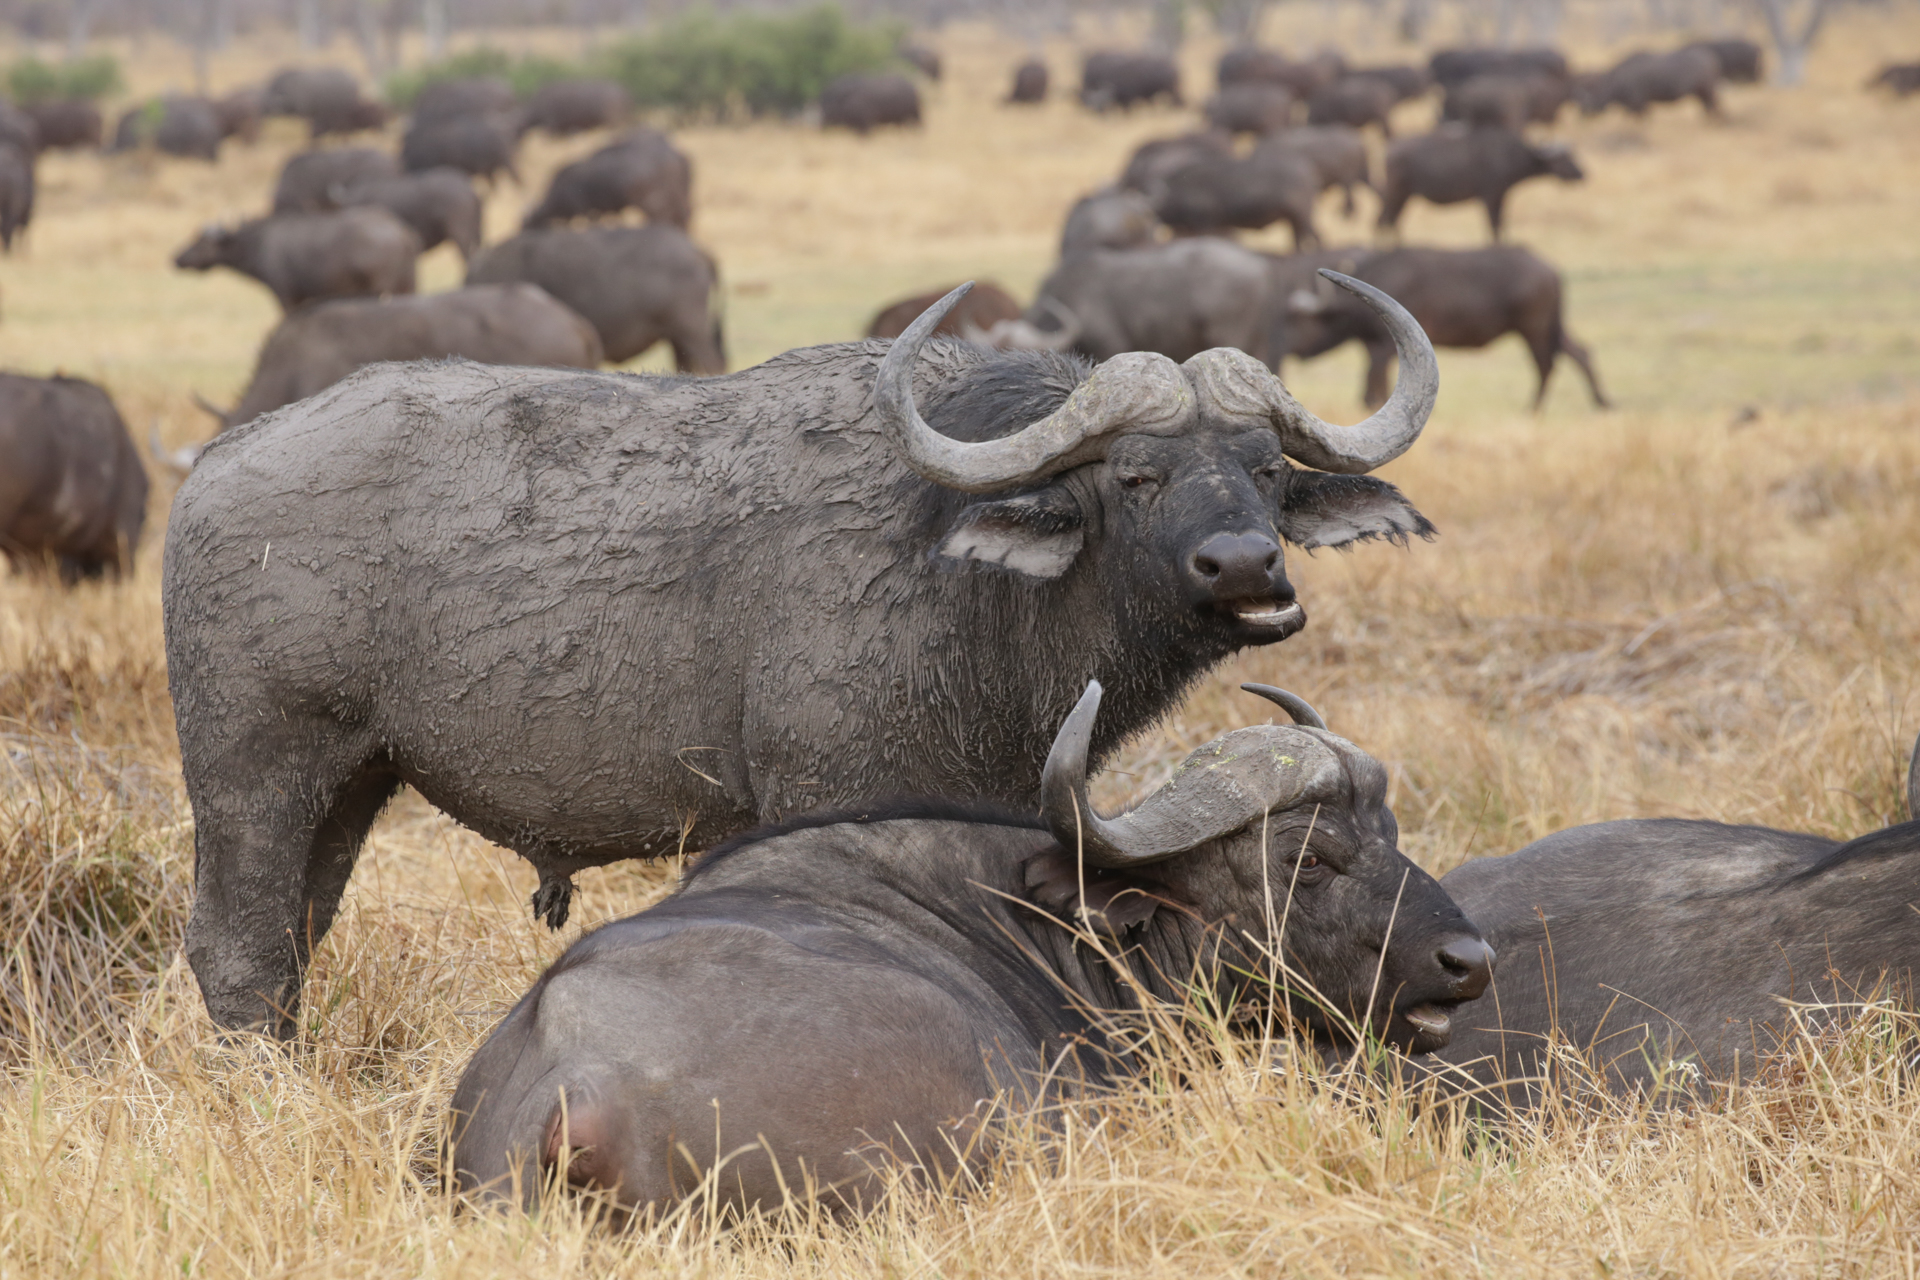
(1701, 604)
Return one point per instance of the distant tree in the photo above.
(1790, 43)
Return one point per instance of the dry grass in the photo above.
(1677, 608)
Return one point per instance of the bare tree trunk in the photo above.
(366, 34)
(1414, 17)
(306, 16)
(1792, 49)
(1505, 13)
(1169, 25)
(436, 17)
(80, 14)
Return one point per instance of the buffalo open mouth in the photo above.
(1431, 1024)
(1263, 613)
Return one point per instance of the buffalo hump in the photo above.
(72, 489)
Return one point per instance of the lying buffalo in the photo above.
(1456, 163)
(641, 169)
(16, 194)
(1177, 299)
(309, 178)
(72, 490)
(663, 610)
(480, 145)
(984, 306)
(66, 123)
(1273, 184)
(440, 205)
(912, 961)
(1029, 82)
(576, 106)
(635, 285)
(1111, 218)
(863, 101)
(1640, 80)
(1666, 950)
(176, 125)
(317, 346)
(302, 257)
(1115, 79)
(1461, 297)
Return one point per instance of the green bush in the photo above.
(31, 80)
(525, 74)
(746, 64)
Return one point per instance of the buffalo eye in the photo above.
(1135, 481)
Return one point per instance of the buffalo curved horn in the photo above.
(1235, 384)
(1296, 707)
(1139, 391)
(1913, 783)
(1217, 790)
(181, 459)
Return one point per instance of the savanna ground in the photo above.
(1700, 604)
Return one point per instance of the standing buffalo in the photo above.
(440, 205)
(309, 178)
(635, 285)
(1250, 107)
(921, 58)
(1451, 66)
(66, 123)
(1154, 161)
(912, 961)
(662, 610)
(640, 169)
(1109, 79)
(1110, 218)
(327, 98)
(305, 256)
(1901, 79)
(71, 486)
(1639, 80)
(1461, 297)
(176, 125)
(317, 346)
(864, 101)
(575, 106)
(1354, 100)
(1176, 299)
(1740, 60)
(16, 194)
(1337, 153)
(1249, 63)
(1455, 163)
(481, 145)
(1665, 950)
(1406, 82)
(18, 130)
(468, 96)
(985, 306)
(1029, 82)
(1274, 184)
(1507, 101)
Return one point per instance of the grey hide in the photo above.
(855, 988)
(596, 616)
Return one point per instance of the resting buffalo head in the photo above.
(1180, 474)
(1278, 840)
(213, 248)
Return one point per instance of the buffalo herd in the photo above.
(861, 620)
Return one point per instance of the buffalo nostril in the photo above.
(1206, 566)
(1469, 962)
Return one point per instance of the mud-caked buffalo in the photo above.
(594, 616)
(821, 1001)
(72, 491)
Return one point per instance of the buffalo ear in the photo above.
(1322, 510)
(1114, 902)
(1038, 534)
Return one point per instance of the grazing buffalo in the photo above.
(1451, 66)
(1250, 107)
(635, 285)
(1176, 299)
(1901, 79)
(176, 125)
(317, 346)
(863, 101)
(66, 123)
(922, 59)
(985, 306)
(440, 205)
(16, 194)
(1406, 82)
(1029, 82)
(1111, 218)
(309, 178)
(1153, 162)
(1505, 100)
(1740, 60)
(327, 98)
(241, 113)
(1666, 950)
(1461, 297)
(1357, 101)
(302, 257)
(567, 107)
(640, 169)
(1337, 153)
(663, 610)
(481, 145)
(1456, 163)
(1639, 80)
(72, 490)
(1110, 79)
(1250, 64)
(469, 96)
(18, 130)
(911, 961)
(1274, 184)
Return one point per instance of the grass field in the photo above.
(1700, 604)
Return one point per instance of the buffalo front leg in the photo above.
(1578, 354)
(271, 861)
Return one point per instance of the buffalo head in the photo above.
(212, 248)
(1278, 841)
(1179, 473)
